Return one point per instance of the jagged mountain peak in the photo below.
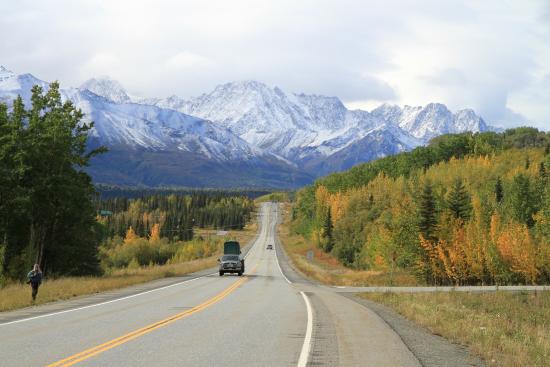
(436, 106)
(107, 87)
(245, 90)
(426, 122)
(247, 84)
(387, 109)
(5, 73)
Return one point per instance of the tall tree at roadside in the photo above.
(427, 213)
(13, 197)
(459, 201)
(62, 217)
(50, 219)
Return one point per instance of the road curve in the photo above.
(269, 317)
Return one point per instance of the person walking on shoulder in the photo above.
(34, 278)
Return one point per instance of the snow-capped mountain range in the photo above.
(241, 134)
(319, 133)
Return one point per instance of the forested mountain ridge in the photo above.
(466, 209)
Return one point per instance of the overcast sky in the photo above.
(492, 56)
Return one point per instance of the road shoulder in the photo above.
(430, 349)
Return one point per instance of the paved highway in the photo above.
(269, 317)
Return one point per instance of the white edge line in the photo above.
(281, 270)
(304, 354)
(277, 255)
(104, 303)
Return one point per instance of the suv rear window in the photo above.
(230, 258)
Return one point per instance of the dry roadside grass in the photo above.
(504, 328)
(18, 295)
(326, 269)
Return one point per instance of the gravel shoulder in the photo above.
(430, 349)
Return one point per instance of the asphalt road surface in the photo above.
(269, 317)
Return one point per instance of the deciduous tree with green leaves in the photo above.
(46, 212)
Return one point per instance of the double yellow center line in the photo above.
(88, 353)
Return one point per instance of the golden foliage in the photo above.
(516, 247)
(155, 233)
(489, 247)
(130, 236)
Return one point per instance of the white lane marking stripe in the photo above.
(117, 299)
(304, 354)
(279, 265)
(277, 257)
(104, 303)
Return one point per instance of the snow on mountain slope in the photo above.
(12, 85)
(295, 126)
(153, 145)
(302, 127)
(137, 125)
(156, 128)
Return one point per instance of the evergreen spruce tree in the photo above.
(542, 182)
(427, 212)
(458, 201)
(499, 192)
(523, 199)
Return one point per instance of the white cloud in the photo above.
(186, 60)
(492, 56)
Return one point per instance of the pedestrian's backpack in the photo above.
(35, 277)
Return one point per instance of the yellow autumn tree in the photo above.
(155, 233)
(476, 243)
(322, 197)
(518, 250)
(338, 204)
(432, 263)
(130, 237)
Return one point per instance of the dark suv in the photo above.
(230, 264)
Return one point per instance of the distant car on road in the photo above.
(270, 247)
(231, 264)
